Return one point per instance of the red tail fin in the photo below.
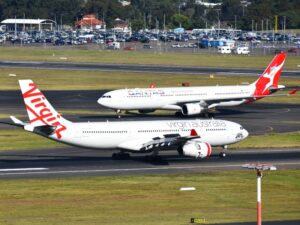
(270, 76)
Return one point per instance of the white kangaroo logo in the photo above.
(271, 75)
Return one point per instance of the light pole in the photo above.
(259, 168)
(218, 11)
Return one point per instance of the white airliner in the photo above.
(191, 137)
(196, 100)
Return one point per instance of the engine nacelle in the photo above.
(192, 109)
(196, 149)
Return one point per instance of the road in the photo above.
(141, 68)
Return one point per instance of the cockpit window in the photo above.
(242, 128)
(106, 96)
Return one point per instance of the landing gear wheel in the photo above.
(222, 154)
(179, 114)
(120, 156)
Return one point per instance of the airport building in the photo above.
(28, 24)
(90, 22)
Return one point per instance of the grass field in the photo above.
(129, 200)
(175, 59)
(274, 140)
(18, 139)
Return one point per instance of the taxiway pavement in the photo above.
(141, 68)
(257, 118)
(72, 162)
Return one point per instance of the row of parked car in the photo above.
(78, 37)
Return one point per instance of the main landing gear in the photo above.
(154, 157)
(118, 112)
(120, 156)
(222, 153)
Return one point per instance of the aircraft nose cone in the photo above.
(245, 133)
(100, 101)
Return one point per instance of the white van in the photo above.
(242, 50)
(113, 45)
(224, 49)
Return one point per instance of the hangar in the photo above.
(28, 24)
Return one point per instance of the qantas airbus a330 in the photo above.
(191, 137)
(196, 100)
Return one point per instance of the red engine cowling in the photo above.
(196, 149)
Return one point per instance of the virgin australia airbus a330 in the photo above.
(190, 137)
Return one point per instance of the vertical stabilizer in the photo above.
(39, 110)
(270, 76)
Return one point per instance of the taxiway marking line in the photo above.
(22, 169)
(134, 169)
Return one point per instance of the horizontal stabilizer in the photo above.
(17, 121)
(292, 92)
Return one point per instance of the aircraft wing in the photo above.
(211, 103)
(157, 143)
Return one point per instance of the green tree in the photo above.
(181, 20)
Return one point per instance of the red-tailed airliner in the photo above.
(191, 137)
(196, 100)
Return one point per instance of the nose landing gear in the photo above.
(222, 153)
(118, 112)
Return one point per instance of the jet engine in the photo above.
(192, 109)
(196, 149)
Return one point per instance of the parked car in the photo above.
(147, 46)
(292, 50)
(276, 51)
(129, 48)
(113, 45)
(176, 45)
(224, 49)
(242, 50)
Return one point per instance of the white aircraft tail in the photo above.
(39, 110)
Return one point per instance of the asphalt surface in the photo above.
(72, 162)
(141, 68)
(257, 118)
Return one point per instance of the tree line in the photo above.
(151, 14)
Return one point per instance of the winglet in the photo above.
(194, 133)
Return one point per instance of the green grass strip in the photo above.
(273, 140)
(220, 197)
(19, 139)
(125, 57)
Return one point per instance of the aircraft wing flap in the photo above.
(166, 142)
(157, 143)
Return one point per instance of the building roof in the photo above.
(26, 21)
(88, 20)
